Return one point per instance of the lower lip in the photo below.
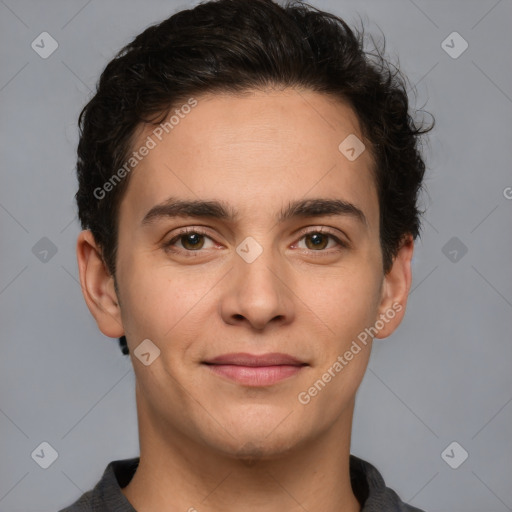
(255, 375)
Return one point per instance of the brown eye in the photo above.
(192, 241)
(188, 241)
(318, 240)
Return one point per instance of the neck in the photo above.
(176, 473)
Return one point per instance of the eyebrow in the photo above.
(303, 208)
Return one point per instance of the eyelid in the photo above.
(301, 233)
(184, 231)
(342, 240)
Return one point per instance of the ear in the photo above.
(98, 286)
(395, 289)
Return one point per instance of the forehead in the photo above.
(253, 150)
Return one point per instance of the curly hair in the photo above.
(232, 46)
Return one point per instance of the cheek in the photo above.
(346, 307)
(346, 301)
(159, 301)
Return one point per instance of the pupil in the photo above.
(192, 240)
(316, 238)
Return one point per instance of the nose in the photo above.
(259, 292)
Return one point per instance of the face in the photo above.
(287, 261)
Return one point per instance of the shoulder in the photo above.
(370, 489)
(83, 504)
(106, 496)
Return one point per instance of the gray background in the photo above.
(443, 376)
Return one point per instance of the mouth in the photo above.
(255, 370)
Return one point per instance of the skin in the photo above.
(205, 441)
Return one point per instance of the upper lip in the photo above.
(243, 359)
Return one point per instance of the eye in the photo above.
(191, 240)
(318, 240)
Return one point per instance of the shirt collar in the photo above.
(367, 484)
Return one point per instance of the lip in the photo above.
(244, 359)
(255, 370)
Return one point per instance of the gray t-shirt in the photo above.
(367, 485)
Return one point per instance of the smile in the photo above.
(255, 370)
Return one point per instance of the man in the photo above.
(248, 183)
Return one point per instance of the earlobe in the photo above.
(395, 289)
(98, 286)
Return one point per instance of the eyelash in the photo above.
(167, 246)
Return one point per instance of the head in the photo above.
(243, 113)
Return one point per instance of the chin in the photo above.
(258, 443)
(260, 450)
